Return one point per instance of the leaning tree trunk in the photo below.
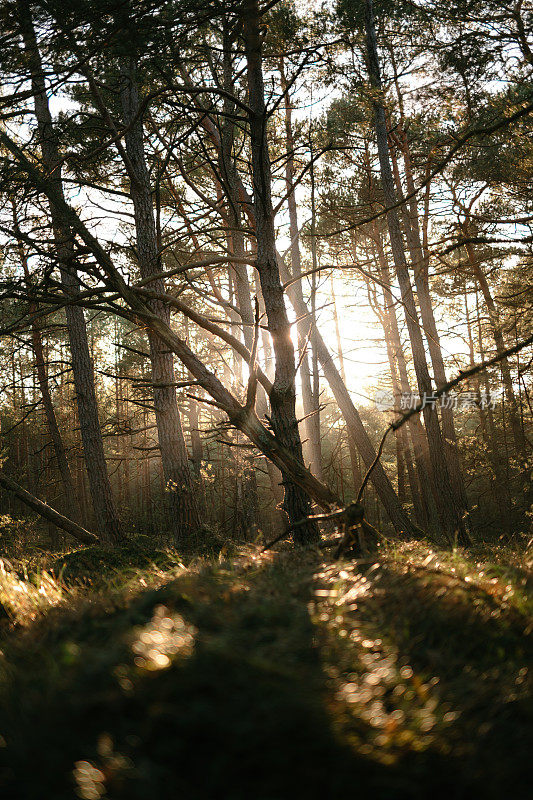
(403, 448)
(82, 367)
(428, 487)
(283, 394)
(425, 478)
(47, 512)
(354, 426)
(240, 416)
(450, 509)
(312, 418)
(179, 486)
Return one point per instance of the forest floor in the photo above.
(284, 675)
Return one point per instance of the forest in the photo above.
(266, 385)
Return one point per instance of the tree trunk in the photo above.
(247, 493)
(424, 474)
(354, 460)
(500, 485)
(420, 270)
(47, 512)
(357, 434)
(283, 394)
(449, 505)
(243, 418)
(303, 325)
(519, 438)
(69, 489)
(182, 506)
(82, 367)
(405, 461)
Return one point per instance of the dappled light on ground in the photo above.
(280, 675)
(373, 682)
(166, 636)
(428, 652)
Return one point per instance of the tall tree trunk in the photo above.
(450, 509)
(354, 426)
(424, 473)
(419, 252)
(304, 326)
(420, 266)
(426, 482)
(314, 420)
(197, 448)
(405, 461)
(283, 394)
(354, 460)
(247, 493)
(242, 417)
(519, 438)
(499, 484)
(41, 370)
(275, 477)
(82, 367)
(183, 509)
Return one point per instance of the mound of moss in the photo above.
(91, 563)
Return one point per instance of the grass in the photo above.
(275, 676)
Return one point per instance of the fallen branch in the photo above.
(47, 512)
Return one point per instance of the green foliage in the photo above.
(352, 13)
(283, 26)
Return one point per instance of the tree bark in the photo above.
(354, 460)
(424, 474)
(241, 417)
(420, 270)
(303, 325)
(101, 495)
(405, 461)
(499, 484)
(69, 489)
(283, 394)
(449, 505)
(357, 434)
(247, 491)
(182, 506)
(519, 438)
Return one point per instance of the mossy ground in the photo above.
(277, 676)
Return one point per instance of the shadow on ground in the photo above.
(224, 683)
